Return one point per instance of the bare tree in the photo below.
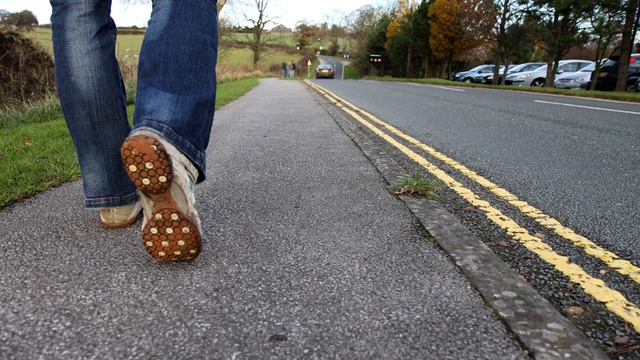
(259, 19)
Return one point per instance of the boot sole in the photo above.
(169, 234)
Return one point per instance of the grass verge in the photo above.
(607, 95)
(416, 185)
(35, 157)
(37, 152)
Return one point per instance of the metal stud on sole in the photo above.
(169, 235)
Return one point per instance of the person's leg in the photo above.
(92, 97)
(177, 76)
(165, 154)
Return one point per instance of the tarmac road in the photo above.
(306, 255)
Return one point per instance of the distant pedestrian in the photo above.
(292, 69)
(284, 68)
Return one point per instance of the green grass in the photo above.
(35, 157)
(229, 91)
(416, 185)
(129, 44)
(125, 43)
(242, 57)
(350, 73)
(287, 39)
(37, 153)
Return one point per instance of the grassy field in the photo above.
(232, 62)
(287, 39)
(37, 152)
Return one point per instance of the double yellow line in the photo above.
(612, 299)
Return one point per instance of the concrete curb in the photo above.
(538, 325)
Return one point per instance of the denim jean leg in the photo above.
(92, 96)
(177, 75)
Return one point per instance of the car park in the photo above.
(578, 80)
(474, 75)
(515, 69)
(538, 77)
(325, 71)
(608, 76)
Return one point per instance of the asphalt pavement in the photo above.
(306, 255)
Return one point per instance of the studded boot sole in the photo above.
(169, 234)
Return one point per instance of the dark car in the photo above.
(608, 76)
(636, 86)
(325, 71)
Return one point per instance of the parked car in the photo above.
(608, 76)
(636, 86)
(515, 69)
(578, 80)
(538, 77)
(474, 75)
(325, 71)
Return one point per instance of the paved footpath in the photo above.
(306, 255)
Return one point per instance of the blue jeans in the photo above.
(175, 94)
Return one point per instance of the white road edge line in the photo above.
(447, 88)
(588, 107)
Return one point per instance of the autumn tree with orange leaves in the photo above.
(458, 26)
(401, 27)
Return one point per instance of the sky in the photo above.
(136, 12)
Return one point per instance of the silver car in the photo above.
(538, 76)
(575, 81)
(476, 74)
(514, 69)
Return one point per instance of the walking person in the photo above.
(292, 67)
(154, 165)
(284, 68)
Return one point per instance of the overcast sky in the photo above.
(136, 12)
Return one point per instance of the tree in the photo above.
(255, 13)
(305, 32)
(377, 38)
(26, 19)
(400, 33)
(509, 37)
(358, 26)
(603, 21)
(630, 12)
(421, 29)
(23, 19)
(458, 26)
(557, 25)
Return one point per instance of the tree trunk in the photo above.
(256, 46)
(409, 63)
(626, 44)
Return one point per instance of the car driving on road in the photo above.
(325, 71)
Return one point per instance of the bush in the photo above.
(26, 71)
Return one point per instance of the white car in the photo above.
(538, 76)
(512, 70)
(578, 80)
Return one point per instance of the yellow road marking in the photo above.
(612, 260)
(612, 299)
